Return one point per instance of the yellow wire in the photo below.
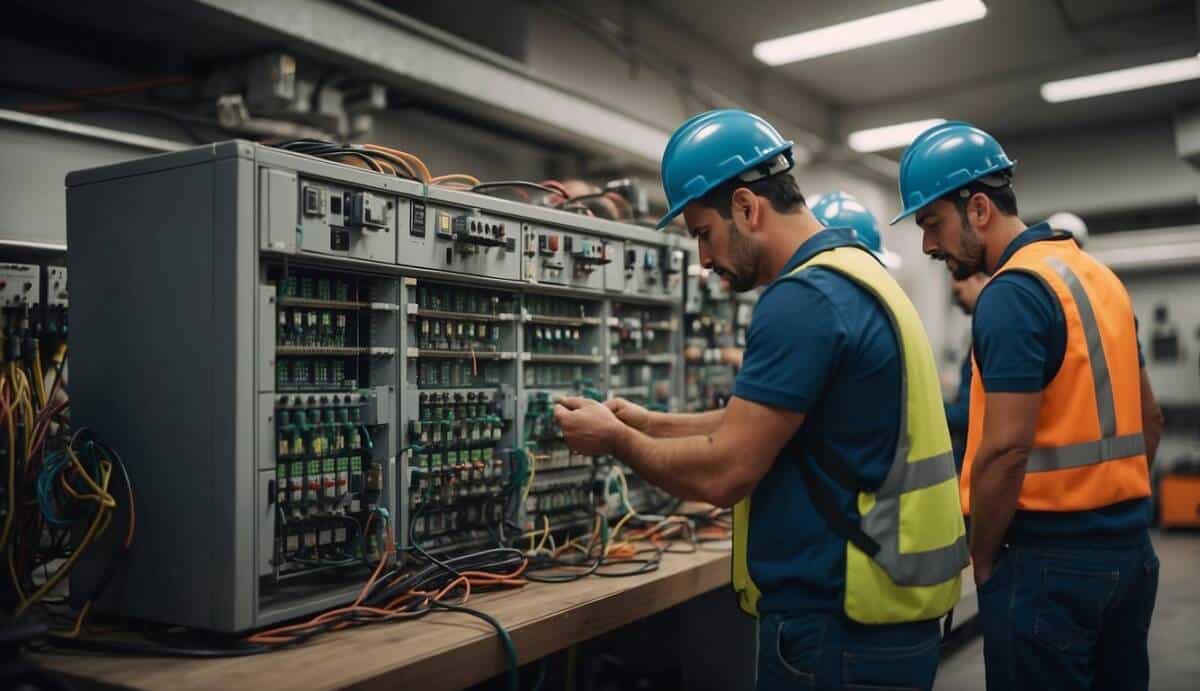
(12, 571)
(39, 376)
(100, 495)
(73, 633)
(93, 530)
(532, 474)
(26, 403)
(10, 427)
(617, 529)
(464, 178)
(545, 534)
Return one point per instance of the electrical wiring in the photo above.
(509, 647)
(378, 159)
(55, 487)
(457, 179)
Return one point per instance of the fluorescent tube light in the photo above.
(1129, 79)
(879, 28)
(889, 137)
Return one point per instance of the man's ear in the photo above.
(747, 206)
(979, 209)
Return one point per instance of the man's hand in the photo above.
(630, 413)
(589, 428)
(732, 356)
(982, 573)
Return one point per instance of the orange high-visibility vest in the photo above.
(1088, 450)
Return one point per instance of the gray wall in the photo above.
(1113, 169)
(32, 172)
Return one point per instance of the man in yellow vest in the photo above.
(848, 534)
(1063, 425)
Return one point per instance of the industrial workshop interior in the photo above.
(535, 345)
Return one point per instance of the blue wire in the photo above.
(47, 478)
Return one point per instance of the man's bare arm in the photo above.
(998, 471)
(684, 424)
(720, 467)
(658, 424)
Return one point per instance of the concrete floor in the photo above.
(1174, 633)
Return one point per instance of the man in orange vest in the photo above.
(1063, 426)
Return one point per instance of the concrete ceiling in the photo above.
(987, 71)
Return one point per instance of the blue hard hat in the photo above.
(944, 158)
(716, 146)
(842, 210)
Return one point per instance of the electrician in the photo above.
(835, 416)
(842, 210)
(1063, 425)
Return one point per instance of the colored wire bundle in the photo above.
(60, 493)
(378, 159)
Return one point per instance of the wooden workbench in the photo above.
(444, 650)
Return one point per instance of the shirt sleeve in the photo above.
(795, 340)
(1012, 334)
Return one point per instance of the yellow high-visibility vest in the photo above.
(913, 522)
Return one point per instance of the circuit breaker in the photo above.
(302, 360)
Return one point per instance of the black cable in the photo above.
(543, 667)
(559, 563)
(415, 545)
(509, 647)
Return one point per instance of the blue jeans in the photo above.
(828, 651)
(1069, 618)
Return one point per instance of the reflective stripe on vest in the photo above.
(1058, 471)
(1110, 446)
(914, 516)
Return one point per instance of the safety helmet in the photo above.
(716, 146)
(842, 210)
(945, 158)
(1071, 223)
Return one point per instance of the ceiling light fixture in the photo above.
(890, 136)
(879, 28)
(1117, 81)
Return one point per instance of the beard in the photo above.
(741, 272)
(970, 260)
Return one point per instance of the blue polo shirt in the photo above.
(1019, 334)
(821, 345)
(958, 413)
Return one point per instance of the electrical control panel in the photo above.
(335, 349)
(716, 323)
(34, 314)
(458, 239)
(318, 358)
(562, 355)
(460, 379)
(645, 355)
(20, 286)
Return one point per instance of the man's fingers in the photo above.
(560, 412)
(614, 404)
(574, 402)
